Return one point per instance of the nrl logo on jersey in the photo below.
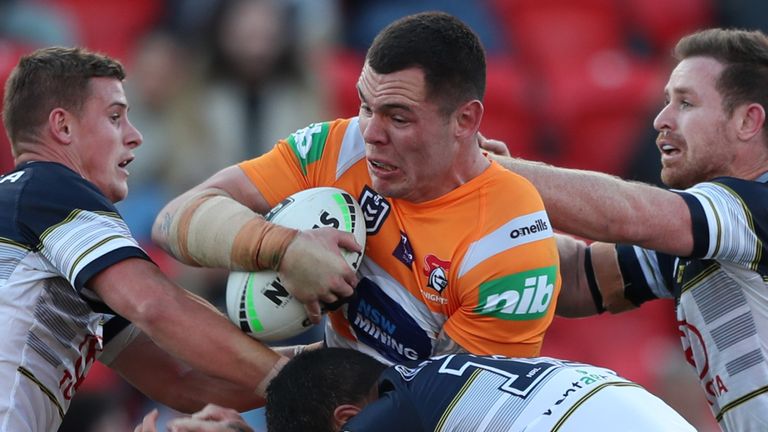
(437, 272)
(375, 210)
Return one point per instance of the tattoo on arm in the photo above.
(445, 345)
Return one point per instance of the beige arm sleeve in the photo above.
(213, 230)
(605, 264)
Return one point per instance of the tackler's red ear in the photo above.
(343, 413)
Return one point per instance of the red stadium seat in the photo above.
(664, 22)
(601, 108)
(340, 72)
(547, 32)
(112, 26)
(510, 115)
(626, 343)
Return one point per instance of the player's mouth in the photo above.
(125, 163)
(381, 167)
(669, 150)
(667, 143)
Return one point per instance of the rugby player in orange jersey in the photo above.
(449, 265)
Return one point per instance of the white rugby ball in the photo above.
(257, 301)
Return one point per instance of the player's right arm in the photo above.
(184, 325)
(603, 207)
(219, 224)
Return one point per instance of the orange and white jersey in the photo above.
(480, 261)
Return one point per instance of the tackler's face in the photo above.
(104, 139)
(410, 147)
(695, 133)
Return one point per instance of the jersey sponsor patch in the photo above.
(375, 209)
(521, 296)
(382, 323)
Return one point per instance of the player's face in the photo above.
(695, 131)
(409, 143)
(104, 139)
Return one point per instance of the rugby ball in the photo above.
(257, 301)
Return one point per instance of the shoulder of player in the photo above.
(510, 197)
(50, 190)
(338, 142)
(46, 177)
(510, 183)
(748, 193)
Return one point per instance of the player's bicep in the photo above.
(672, 235)
(233, 182)
(236, 184)
(134, 288)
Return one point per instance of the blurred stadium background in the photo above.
(211, 82)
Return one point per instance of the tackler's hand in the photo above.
(212, 418)
(492, 146)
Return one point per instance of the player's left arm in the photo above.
(617, 278)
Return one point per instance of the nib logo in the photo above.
(521, 296)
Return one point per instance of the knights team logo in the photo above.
(375, 210)
(437, 272)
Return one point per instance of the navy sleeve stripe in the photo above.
(105, 261)
(113, 327)
(636, 288)
(698, 225)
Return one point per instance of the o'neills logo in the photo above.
(539, 225)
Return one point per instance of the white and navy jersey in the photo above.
(56, 232)
(721, 293)
(471, 393)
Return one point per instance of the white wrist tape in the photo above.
(261, 389)
(608, 276)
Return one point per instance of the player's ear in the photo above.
(343, 413)
(59, 124)
(468, 118)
